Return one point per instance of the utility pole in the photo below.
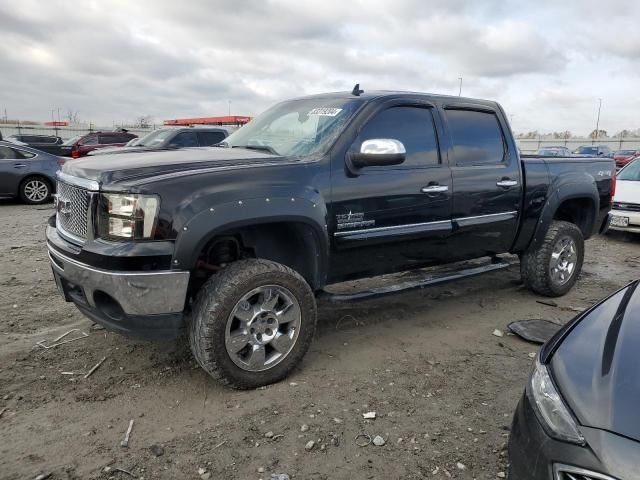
(53, 120)
(460, 86)
(229, 107)
(598, 121)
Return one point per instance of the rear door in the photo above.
(487, 183)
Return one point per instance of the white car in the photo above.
(626, 202)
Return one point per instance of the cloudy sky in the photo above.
(547, 62)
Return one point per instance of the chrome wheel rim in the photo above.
(262, 328)
(564, 257)
(36, 190)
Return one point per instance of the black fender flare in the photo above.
(205, 225)
(578, 185)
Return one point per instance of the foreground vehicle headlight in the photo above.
(550, 408)
(128, 216)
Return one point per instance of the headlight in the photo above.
(128, 216)
(550, 408)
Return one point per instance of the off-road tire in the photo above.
(213, 305)
(534, 263)
(23, 194)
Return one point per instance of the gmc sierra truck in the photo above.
(233, 243)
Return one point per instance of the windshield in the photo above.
(73, 140)
(297, 127)
(154, 138)
(625, 152)
(631, 172)
(587, 151)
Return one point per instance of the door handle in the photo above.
(507, 183)
(19, 165)
(435, 189)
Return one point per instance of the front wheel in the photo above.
(35, 190)
(553, 268)
(252, 323)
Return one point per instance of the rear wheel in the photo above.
(553, 268)
(35, 190)
(252, 323)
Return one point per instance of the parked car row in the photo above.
(621, 157)
(28, 163)
(114, 142)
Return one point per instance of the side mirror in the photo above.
(379, 152)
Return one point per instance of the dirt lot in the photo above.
(442, 385)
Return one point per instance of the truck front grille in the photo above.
(73, 209)
(631, 207)
(566, 472)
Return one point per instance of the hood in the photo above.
(627, 192)
(596, 365)
(112, 168)
(105, 151)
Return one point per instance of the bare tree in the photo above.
(72, 117)
(144, 121)
(600, 134)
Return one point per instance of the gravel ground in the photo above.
(442, 386)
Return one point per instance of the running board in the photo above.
(427, 279)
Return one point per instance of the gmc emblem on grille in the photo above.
(63, 206)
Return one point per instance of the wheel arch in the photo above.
(290, 231)
(574, 202)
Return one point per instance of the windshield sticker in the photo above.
(325, 112)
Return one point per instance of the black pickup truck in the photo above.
(234, 242)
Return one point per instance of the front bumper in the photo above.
(534, 455)
(142, 304)
(634, 221)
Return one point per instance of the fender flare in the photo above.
(565, 189)
(205, 225)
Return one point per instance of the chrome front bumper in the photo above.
(137, 293)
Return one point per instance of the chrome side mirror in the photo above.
(379, 152)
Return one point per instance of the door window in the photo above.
(109, 139)
(413, 126)
(476, 136)
(210, 138)
(185, 139)
(8, 153)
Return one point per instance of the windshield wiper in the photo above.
(262, 148)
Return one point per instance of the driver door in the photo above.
(392, 218)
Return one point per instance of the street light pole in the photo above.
(53, 120)
(598, 120)
(460, 86)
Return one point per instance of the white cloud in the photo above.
(546, 62)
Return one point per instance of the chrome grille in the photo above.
(73, 209)
(631, 207)
(566, 472)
